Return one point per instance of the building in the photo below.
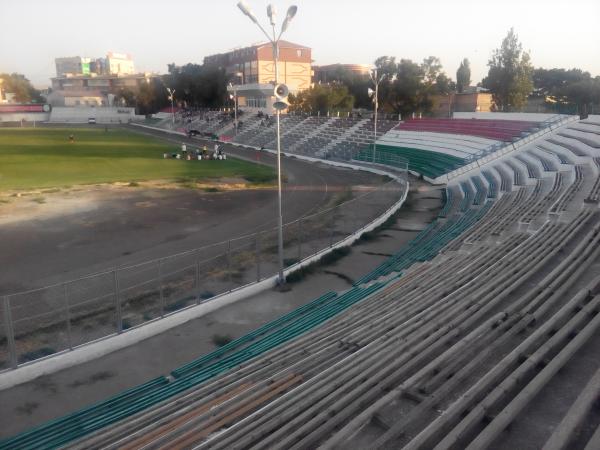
(252, 71)
(86, 81)
(112, 64)
(72, 65)
(93, 89)
(119, 64)
(473, 100)
(329, 73)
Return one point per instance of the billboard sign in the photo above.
(25, 108)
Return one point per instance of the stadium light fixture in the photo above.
(291, 12)
(247, 11)
(271, 13)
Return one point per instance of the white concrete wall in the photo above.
(81, 114)
(29, 117)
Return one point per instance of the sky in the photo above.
(557, 33)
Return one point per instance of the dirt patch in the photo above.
(27, 408)
(39, 204)
(92, 379)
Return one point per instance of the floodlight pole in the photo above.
(275, 43)
(235, 108)
(171, 94)
(280, 278)
(376, 82)
(376, 108)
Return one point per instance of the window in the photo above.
(298, 53)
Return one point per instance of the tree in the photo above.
(17, 84)
(510, 75)
(125, 97)
(152, 96)
(198, 85)
(432, 68)
(444, 85)
(406, 92)
(323, 99)
(463, 76)
(357, 84)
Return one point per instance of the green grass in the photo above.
(44, 158)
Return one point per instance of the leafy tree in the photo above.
(443, 84)
(151, 97)
(463, 76)
(125, 97)
(198, 85)
(406, 92)
(432, 68)
(357, 85)
(17, 84)
(322, 98)
(510, 74)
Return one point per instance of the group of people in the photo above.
(197, 154)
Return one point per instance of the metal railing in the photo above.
(63, 316)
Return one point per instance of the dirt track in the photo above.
(105, 228)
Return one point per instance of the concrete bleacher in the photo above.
(477, 317)
(501, 130)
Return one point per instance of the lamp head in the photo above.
(272, 13)
(247, 11)
(291, 12)
(280, 105)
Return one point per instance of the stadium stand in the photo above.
(502, 130)
(428, 163)
(480, 316)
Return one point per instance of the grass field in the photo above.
(44, 158)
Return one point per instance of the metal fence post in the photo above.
(68, 313)
(258, 256)
(197, 280)
(118, 311)
(331, 228)
(229, 263)
(299, 239)
(10, 333)
(161, 288)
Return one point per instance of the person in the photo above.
(178, 156)
(71, 138)
(199, 157)
(183, 148)
(164, 156)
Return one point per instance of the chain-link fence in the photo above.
(56, 318)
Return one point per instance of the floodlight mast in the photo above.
(376, 80)
(235, 103)
(171, 95)
(271, 13)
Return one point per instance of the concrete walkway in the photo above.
(52, 396)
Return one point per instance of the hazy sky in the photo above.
(558, 33)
